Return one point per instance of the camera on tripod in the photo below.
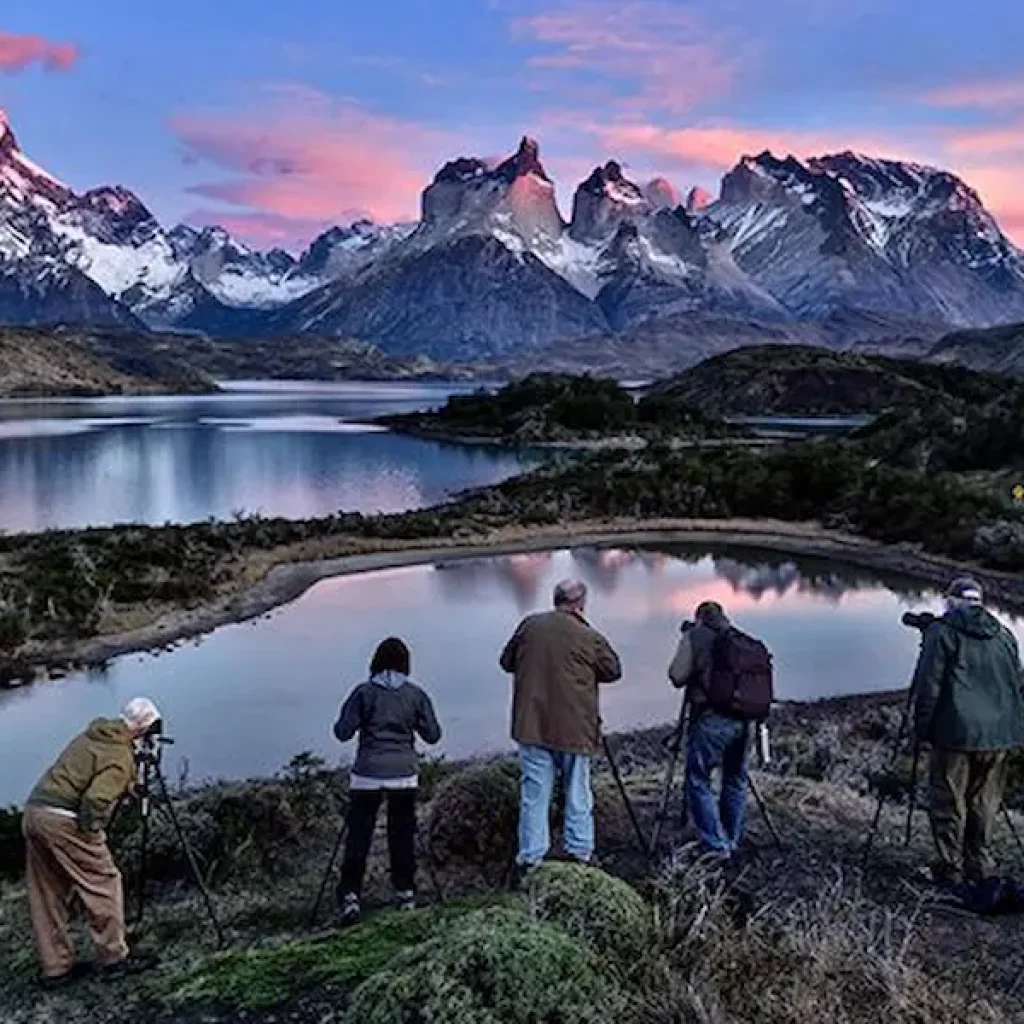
(149, 749)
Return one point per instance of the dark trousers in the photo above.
(362, 820)
(966, 794)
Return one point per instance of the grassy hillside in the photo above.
(794, 380)
(996, 349)
(71, 362)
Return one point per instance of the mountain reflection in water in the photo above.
(278, 681)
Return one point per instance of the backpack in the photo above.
(741, 681)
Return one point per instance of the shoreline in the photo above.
(281, 579)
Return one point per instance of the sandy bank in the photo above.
(268, 580)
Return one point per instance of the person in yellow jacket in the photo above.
(66, 847)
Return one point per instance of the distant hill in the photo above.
(996, 349)
(546, 407)
(37, 363)
(798, 380)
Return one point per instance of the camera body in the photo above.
(149, 748)
(919, 620)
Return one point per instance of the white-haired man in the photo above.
(66, 847)
(558, 661)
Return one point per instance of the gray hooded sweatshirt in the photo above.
(388, 712)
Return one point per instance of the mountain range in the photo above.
(492, 269)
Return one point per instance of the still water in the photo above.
(247, 698)
(292, 450)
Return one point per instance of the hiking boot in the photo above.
(134, 963)
(78, 971)
(405, 900)
(349, 908)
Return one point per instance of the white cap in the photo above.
(139, 714)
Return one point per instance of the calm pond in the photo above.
(294, 450)
(244, 700)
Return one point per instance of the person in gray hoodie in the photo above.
(388, 712)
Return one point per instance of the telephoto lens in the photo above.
(918, 620)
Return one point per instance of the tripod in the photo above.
(148, 757)
(616, 775)
(674, 744)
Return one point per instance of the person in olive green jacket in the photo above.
(558, 660)
(969, 705)
(66, 848)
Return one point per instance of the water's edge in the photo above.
(286, 581)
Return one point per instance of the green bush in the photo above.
(593, 907)
(473, 818)
(492, 967)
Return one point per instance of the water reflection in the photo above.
(293, 453)
(246, 699)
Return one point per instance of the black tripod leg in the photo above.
(1013, 828)
(763, 808)
(661, 816)
(641, 839)
(144, 809)
(191, 858)
(873, 831)
(675, 747)
(327, 874)
(912, 796)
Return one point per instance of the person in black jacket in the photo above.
(388, 712)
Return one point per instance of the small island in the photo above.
(552, 408)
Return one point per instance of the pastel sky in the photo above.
(276, 119)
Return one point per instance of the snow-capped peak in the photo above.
(662, 194)
(698, 199)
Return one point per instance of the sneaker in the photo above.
(134, 963)
(349, 908)
(405, 899)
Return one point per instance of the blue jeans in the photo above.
(540, 766)
(714, 742)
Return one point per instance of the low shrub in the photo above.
(492, 967)
(473, 818)
(591, 906)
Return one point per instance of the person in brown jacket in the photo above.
(66, 848)
(558, 660)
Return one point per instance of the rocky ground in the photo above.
(805, 931)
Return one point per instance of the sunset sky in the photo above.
(278, 119)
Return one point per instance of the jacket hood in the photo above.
(390, 680)
(974, 621)
(108, 730)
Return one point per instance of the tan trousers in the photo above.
(966, 794)
(62, 861)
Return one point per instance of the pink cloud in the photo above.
(310, 160)
(992, 140)
(984, 94)
(999, 186)
(19, 52)
(720, 146)
(662, 55)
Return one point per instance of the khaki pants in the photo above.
(966, 794)
(62, 861)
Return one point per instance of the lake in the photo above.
(245, 699)
(294, 450)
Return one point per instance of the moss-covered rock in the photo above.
(592, 907)
(492, 967)
(250, 979)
